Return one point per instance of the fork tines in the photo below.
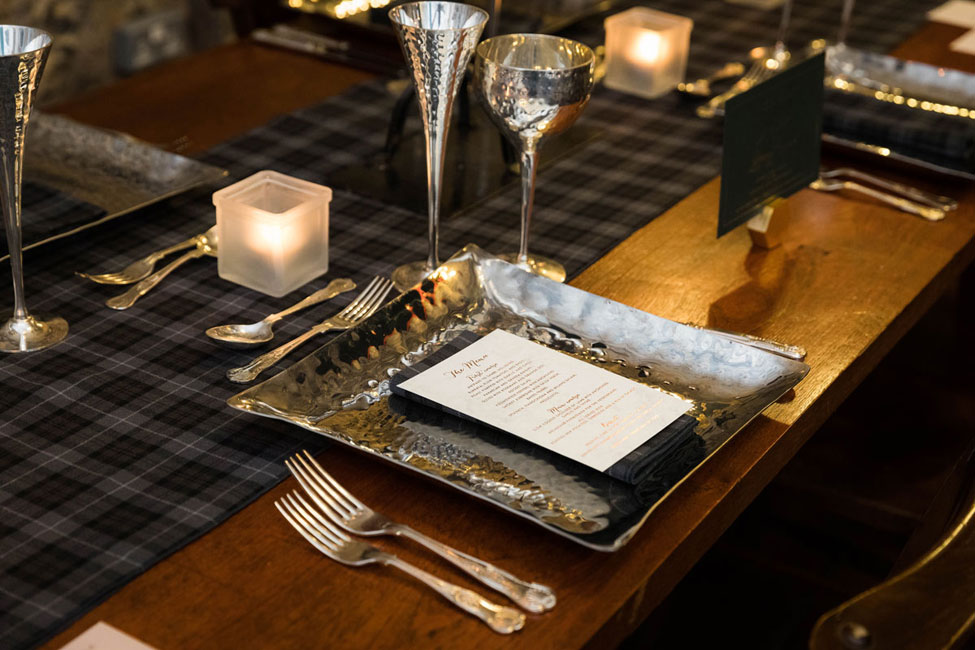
(325, 491)
(312, 526)
(368, 300)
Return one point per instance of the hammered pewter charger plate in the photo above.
(110, 170)
(342, 391)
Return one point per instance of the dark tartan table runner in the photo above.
(47, 211)
(117, 447)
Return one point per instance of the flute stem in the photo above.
(529, 163)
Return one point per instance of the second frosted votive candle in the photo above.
(646, 51)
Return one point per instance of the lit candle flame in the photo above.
(646, 47)
(274, 239)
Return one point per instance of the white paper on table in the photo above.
(964, 43)
(556, 401)
(954, 12)
(102, 636)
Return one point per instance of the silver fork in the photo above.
(340, 547)
(756, 74)
(363, 306)
(934, 200)
(356, 517)
(138, 269)
(206, 244)
(702, 87)
(923, 211)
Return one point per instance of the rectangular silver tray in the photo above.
(917, 85)
(111, 170)
(342, 391)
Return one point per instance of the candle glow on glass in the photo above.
(273, 232)
(646, 47)
(275, 240)
(646, 51)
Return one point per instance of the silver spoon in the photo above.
(260, 332)
(206, 244)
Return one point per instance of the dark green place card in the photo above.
(771, 141)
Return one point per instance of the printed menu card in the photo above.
(561, 403)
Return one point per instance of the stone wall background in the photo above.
(81, 57)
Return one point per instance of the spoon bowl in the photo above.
(206, 244)
(239, 335)
(242, 334)
(208, 241)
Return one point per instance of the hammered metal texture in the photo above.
(908, 83)
(111, 170)
(342, 390)
(23, 53)
(532, 84)
(438, 39)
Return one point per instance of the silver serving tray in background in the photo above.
(908, 83)
(111, 170)
(918, 86)
(342, 391)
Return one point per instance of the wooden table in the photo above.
(851, 278)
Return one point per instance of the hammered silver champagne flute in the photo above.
(533, 85)
(438, 39)
(23, 53)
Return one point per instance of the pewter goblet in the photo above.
(533, 85)
(438, 39)
(23, 52)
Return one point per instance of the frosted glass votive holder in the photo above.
(646, 51)
(272, 231)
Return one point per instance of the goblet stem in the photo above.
(529, 164)
(23, 52)
(436, 143)
(10, 183)
(845, 22)
(780, 48)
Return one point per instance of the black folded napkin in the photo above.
(46, 211)
(945, 140)
(656, 464)
(662, 471)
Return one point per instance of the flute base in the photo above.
(543, 266)
(35, 332)
(407, 276)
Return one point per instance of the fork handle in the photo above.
(334, 288)
(934, 200)
(141, 288)
(531, 596)
(250, 372)
(785, 350)
(923, 211)
(158, 255)
(503, 620)
(716, 103)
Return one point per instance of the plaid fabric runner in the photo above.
(941, 139)
(46, 211)
(116, 447)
